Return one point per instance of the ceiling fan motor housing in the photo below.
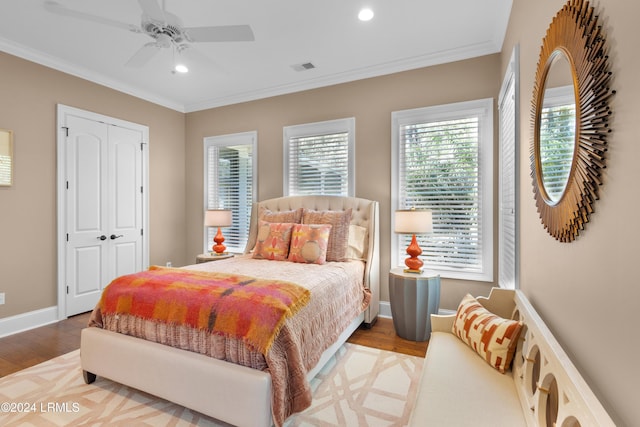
(161, 30)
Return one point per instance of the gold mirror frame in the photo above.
(576, 32)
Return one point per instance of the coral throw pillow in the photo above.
(273, 241)
(492, 337)
(339, 236)
(309, 243)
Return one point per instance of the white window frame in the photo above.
(329, 127)
(243, 138)
(483, 109)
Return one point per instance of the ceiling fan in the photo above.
(163, 27)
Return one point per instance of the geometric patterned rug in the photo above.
(359, 386)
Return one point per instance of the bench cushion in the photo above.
(458, 388)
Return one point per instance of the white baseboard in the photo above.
(385, 310)
(25, 321)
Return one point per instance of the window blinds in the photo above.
(438, 170)
(5, 169)
(507, 263)
(319, 164)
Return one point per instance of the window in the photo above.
(6, 157)
(508, 113)
(319, 158)
(229, 183)
(442, 160)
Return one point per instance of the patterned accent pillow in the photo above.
(309, 243)
(492, 337)
(293, 216)
(339, 236)
(273, 241)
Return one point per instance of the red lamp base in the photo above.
(219, 248)
(413, 263)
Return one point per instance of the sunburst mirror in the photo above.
(570, 119)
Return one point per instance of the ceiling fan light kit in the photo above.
(181, 68)
(365, 15)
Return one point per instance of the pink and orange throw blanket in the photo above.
(247, 308)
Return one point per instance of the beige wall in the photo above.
(587, 291)
(371, 102)
(28, 258)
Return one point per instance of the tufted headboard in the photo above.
(365, 213)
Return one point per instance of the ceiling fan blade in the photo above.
(223, 33)
(152, 9)
(57, 8)
(143, 55)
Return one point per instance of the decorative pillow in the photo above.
(358, 242)
(492, 337)
(339, 236)
(293, 216)
(309, 243)
(273, 241)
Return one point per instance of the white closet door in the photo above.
(124, 202)
(104, 208)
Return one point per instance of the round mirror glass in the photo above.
(557, 126)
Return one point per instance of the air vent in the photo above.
(303, 67)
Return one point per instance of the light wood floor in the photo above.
(29, 348)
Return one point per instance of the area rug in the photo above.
(359, 386)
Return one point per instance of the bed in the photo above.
(234, 384)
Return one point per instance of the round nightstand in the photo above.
(414, 298)
(209, 256)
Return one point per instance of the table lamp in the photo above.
(218, 218)
(413, 221)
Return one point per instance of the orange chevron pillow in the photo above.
(492, 337)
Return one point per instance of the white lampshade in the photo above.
(413, 221)
(218, 218)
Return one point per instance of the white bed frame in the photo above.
(231, 393)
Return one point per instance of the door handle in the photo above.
(103, 237)
(114, 237)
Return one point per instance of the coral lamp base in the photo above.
(219, 248)
(413, 263)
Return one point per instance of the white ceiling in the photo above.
(403, 35)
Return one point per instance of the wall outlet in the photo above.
(1, 298)
(169, 264)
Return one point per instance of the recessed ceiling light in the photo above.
(180, 68)
(365, 15)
